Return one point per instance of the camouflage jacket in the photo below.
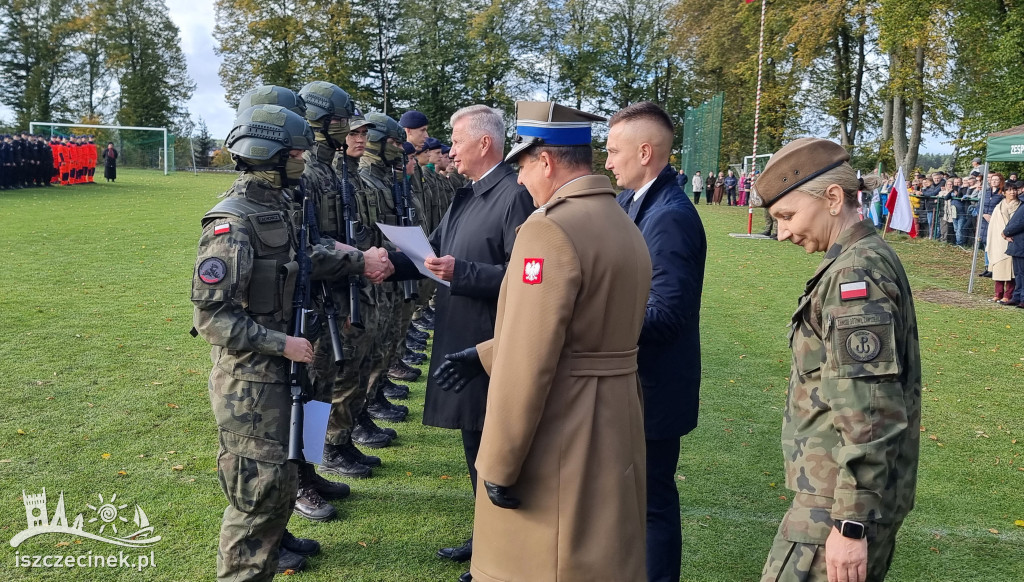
(850, 433)
(244, 278)
(380, 182)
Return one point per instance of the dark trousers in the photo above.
(1018, 273)
(471, 446)
(696, 196)
(664, 533)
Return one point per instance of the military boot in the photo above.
(364, 420)
(368, 460)
(308, 502)
(417, 335)
(392, 390)
(423, 324)
(339, 460)
(399, 370)
(370, 435)
(289, 560)
(300, 546)
(330, 490)
(415, 345)
(413, 358)
(382, 409)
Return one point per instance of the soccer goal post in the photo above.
(166, 154)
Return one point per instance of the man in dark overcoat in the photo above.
(639, 143)
(472, 244)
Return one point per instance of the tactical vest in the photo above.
(274, 270)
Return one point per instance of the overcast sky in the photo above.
(195, 20)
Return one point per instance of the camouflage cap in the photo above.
(273, 95)
(262, 131)
(796, 163)
(325, 99)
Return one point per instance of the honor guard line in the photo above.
(32, 124)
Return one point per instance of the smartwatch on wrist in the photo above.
(852, 529)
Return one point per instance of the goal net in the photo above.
(137, 147)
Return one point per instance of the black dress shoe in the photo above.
(458, 553)
(986, 273)
(466, 577)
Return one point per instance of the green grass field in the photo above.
(103, 392)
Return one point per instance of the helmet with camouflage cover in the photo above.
(323, 99)
(384, 127)
(264, 135)
(328, 109)
(273, 95)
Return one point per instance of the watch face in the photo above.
(852, 529)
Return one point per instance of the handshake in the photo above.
(377, 265)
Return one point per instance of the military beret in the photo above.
(431, 143)
(412, 119)
(409, 148)
(445, 148)
(797, 163)
(549, 124)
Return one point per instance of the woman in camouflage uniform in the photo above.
(850, 433)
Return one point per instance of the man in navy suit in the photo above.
(639, 143)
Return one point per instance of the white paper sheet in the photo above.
(411, 241)
(314, 429)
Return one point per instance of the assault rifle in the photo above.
(346, 204)
(406, 217)
(300, 309)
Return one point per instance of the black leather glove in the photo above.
(458, 369)
(499, 496)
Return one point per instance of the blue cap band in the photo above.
(564, 136)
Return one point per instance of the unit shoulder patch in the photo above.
(212, 270)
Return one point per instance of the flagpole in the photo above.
(885, 228)
(757, 114)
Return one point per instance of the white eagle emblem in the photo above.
(533, 271)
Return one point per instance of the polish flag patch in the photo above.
(222, 229)
(533, 271)
(858, 290)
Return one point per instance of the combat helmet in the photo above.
(325, 101)
(273, 95)
(263, 136)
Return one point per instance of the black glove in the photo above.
(499, 496)
(458, 369)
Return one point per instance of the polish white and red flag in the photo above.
(901, 215)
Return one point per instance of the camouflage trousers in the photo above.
(260, 485)
(351, 384)
(389, 306)
(798, 550)
(427, 288)
(770, 224)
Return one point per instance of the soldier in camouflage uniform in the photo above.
(314, 491)
(377, 168)
(242, 284)
(850, 433)
(330, 111)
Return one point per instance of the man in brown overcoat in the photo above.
(562, 455)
